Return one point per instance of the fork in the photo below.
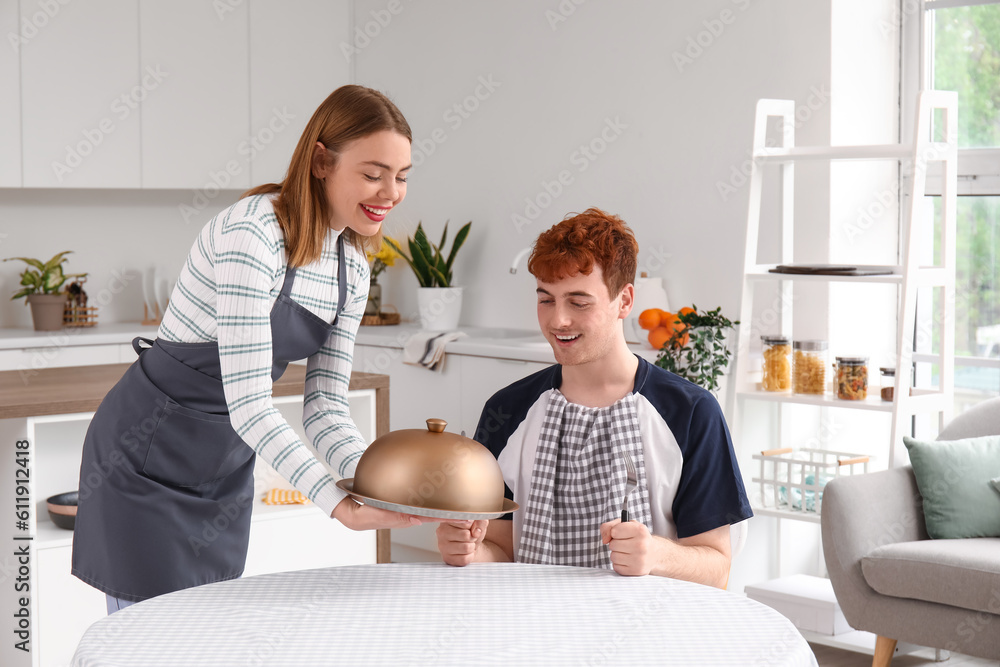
(631, 481)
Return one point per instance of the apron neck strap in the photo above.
(286, 287)
(341, 277)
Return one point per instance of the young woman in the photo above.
(279, 276)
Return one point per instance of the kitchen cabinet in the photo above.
(30, 351)
(80, 94)
(481, 377)
(295, 63)
(10, 102)
(196, 119)
(418, 394)
(188, 94)
(51, 415)
(28, 361)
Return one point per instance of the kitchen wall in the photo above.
(525, 111)
(522, 112)
(115, 235)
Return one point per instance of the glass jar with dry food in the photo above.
(888, 381)
(852, 378)
(809, 366)
(777, 367)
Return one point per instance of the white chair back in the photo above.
(738, 537)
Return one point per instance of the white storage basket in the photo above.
(792, 480)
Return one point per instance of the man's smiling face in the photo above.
(578, 317)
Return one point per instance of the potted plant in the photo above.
(385, 257)
(439, 301)
(41, 284)
(693, 345)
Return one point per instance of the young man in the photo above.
(560, 435)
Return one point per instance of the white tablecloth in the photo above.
(432, 614)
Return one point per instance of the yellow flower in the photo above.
(386, 254)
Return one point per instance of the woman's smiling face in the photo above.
(368, 179)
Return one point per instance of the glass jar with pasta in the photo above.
(809, 366)
(777, 367)
(852, 378)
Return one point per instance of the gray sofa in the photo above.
(894, 581)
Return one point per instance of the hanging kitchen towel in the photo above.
(426, 348)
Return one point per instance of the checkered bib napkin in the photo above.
(578, 482)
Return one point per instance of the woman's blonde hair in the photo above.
(348, 114)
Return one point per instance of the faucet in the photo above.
(517, 259)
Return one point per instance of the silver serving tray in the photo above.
(348, 486)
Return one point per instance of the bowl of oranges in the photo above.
(664, 327)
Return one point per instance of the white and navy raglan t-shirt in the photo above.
(225, 293)
(691, 470)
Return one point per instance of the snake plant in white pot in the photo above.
(439, 301)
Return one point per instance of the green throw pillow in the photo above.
(955, 479)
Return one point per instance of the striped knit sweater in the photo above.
(225, 292)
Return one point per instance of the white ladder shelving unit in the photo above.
(908, 275)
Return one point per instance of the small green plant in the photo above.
(428, 260)
(43, 277)
(703, 358)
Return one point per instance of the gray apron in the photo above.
(166, 483)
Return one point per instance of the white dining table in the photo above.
(433, 614)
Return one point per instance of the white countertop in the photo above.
(493, 342)
(497, 343)
(101, 334)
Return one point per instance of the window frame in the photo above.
(978, 168)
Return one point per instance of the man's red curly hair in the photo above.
(578, 242)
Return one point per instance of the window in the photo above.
(955, 45)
